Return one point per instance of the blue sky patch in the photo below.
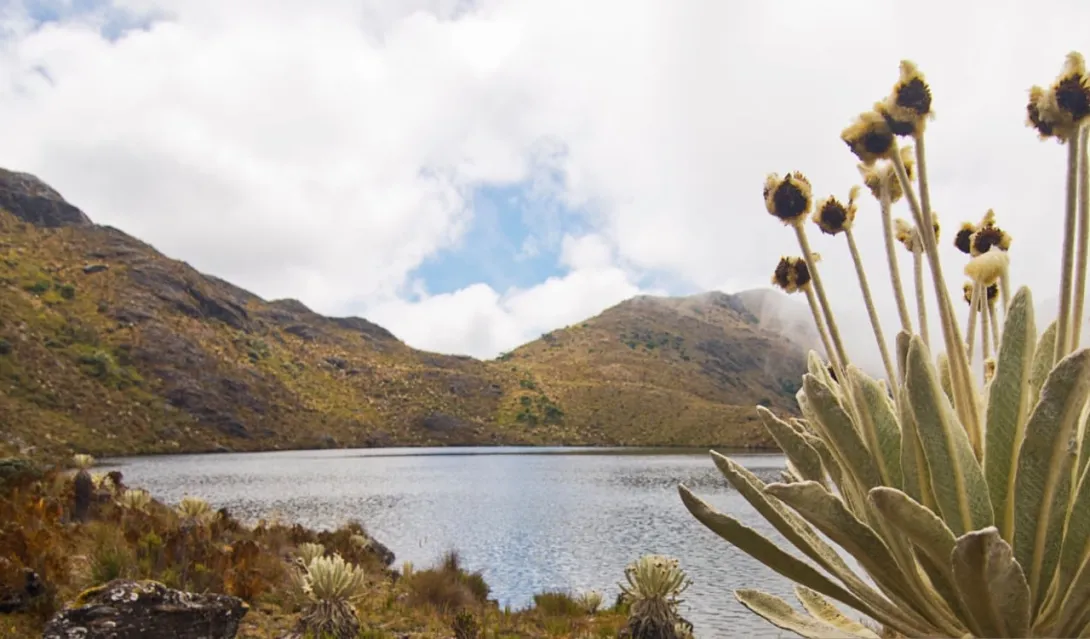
(513, 241)
(114, 21)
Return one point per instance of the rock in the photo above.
(31, 200)
(302, 331)
(18, 599)
(124, 609)
(381, 550)
(17, 469)
(91, 269)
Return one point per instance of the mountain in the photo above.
(673, 370)
(109, 347)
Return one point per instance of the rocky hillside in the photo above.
(670, 370)
(109, 347)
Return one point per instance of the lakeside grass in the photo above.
(205, 550)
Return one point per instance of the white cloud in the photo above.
(323, 154)
(479, 321)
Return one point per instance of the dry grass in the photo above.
(222, 555)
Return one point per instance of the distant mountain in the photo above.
(678, 370)
(109, 347)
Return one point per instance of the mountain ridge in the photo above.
(108, 346)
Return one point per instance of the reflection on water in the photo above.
(529, 519)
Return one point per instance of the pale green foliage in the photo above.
(308, 552)
(965, 501)
(82, 461)
(195, 509)
(590, 601)
(134, 499)
(328, 587)
(334, 579)
(653, 586)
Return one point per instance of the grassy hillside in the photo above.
(678, 371)
(109, 347)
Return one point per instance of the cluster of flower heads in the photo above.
(1059, 111)
(904, 112)
(907, 235)
(792, 274)
(871, 137)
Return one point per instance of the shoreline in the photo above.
(125, 536)
(461, 449)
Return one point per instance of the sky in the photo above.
(473, 174)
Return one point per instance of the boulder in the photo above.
(124, 609)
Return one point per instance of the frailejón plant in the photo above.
(653, 587)
(329, 588)
(963, 493)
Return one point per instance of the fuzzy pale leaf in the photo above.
(1008, 408)
(961, 493)
(992, 585)
(1043, 481)
(780, 613)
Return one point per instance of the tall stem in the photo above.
(1063, 322)
(921, 301)
(826, 310)
(1084, 238)
(985, 333)
(964, 395)
(891, 255)
(887, 361)
(995, 325)
(819, 321)
(970, 330)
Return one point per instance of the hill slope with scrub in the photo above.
(109, 347)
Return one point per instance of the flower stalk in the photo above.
(1063, 320)
(1083, 235)
(961, 380)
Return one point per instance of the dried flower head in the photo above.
(1072, 89)
(905, 233)
(909, 104)
(1059, 111)
(1042, 112)
(792, 274)
(834, 217)
(992, 291)
(789, 198)
(987, 268)
(963, 238)
(874, 174)
(869, 137)
(986, 237)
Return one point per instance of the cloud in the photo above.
(480, 321)
(326, 154)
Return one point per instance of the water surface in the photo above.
(529, 519)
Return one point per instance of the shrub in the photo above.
(653, 585)
(558, 603)
(966, 501)
(447, 586)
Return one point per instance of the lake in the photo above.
(530, 519)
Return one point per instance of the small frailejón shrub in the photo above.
(330, 588)
(964, 495)
(652, 589)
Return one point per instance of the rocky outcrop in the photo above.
(139, 609)
(34, 201)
